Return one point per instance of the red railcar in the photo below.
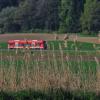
(31, 44)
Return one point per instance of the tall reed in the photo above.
(46, 70)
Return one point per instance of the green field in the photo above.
(68, 45)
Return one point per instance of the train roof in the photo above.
(24, 41)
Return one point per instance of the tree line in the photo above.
(50, 15)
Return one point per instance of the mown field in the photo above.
(67, 70)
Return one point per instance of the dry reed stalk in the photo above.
(43, 72)
(49, 62)
(75, 39)
(62, 57)
(65, 80)
(12, 79)
(55, 61)
(65, 43)
(27, 61)
(89, 83)
(36, 74)
(98, 75)
(66, 37)
(23, 80)
(16, 51)
(75, 82)
(41, 78)
(56, 36)
(1, 71)
(94, 46)
(2, 81)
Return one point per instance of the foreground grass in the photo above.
(20, 72)
(53, 75)
(57, 94)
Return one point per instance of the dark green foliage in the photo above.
(70, 15)
(7, 23)
(6, 3)
(51, 15)
(57, 94)
(90, 19)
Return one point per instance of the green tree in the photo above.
(65, 18)
(90, 19)
(8, 3)
(70, 13)
(38, 14)
(52, 14)
(26, 14)
(95, 23)
(7, 20)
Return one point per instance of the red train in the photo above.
(31, 44)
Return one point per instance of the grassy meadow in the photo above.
(67, 70)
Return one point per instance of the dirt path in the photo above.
(6, 37)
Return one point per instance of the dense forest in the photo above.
(49, 16)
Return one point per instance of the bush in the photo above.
(1, 31)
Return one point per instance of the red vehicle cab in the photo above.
(31, 44)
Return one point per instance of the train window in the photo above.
(16, 44)
(32, 45)
(20, 44)
(27, 45)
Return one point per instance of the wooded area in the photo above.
(50, 15)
